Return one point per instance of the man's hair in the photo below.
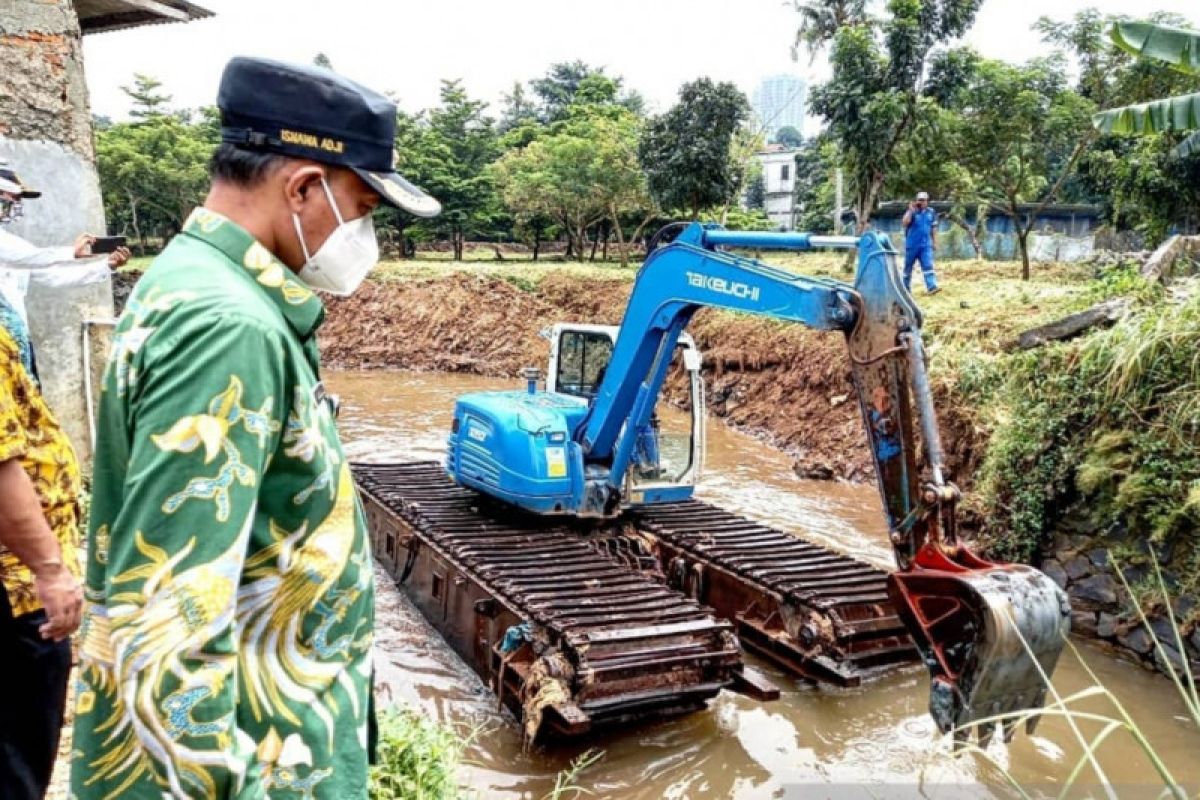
(244, 168)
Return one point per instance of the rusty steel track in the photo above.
(569, 634)
(813, 611)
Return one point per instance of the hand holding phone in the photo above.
(107, 244)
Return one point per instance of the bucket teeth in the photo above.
(984, 733)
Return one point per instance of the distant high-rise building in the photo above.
(779, 103)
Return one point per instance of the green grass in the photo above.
(418, 759)
(1106, 427)
(530, 273)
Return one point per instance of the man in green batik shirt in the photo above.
(225, 648)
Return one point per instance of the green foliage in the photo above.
(756, 193)
(1112, 421)
(577, 173)
(1141, 181)
(1145, 184)
(1178, 49)
(560, 87)
(788, 137)
(815, 193)
(875, 100)
(820, 20)
(517, 110)
(686, 152)
(566, 783)
(148, 99)
(1021, 133)
(154, 170)
(754, 219)
(418, 759)
(450, 157)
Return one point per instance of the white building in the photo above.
(779, 185)
(779, 102)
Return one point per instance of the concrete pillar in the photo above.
(46, 135)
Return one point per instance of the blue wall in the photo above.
(1000, 241)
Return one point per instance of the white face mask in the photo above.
(342, 263)
(10, 210)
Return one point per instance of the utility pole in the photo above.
(837, 202)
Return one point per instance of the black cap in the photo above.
(9, 182)
(314, 113)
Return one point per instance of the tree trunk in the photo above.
(537, 242)
(637, 232)
(1023, 242)
(621, 250)
(595, 243)
(580, 240)
(137, 229)
(401, 250)
(971, 233)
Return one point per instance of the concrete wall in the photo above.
(46, 134)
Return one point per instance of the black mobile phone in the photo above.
(107, 244)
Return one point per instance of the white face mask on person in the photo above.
(341, 264)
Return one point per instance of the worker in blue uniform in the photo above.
(920, 240)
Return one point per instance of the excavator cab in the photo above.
(669, 455)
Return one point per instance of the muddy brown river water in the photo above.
(870, 742)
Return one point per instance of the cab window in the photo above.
(582, 358)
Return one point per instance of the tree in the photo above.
(816, 164)
(756, 193)
(1141, 183)
(876, 94)
(517, 110)
(929, 160)
(148, 101)
(788, 137)
(417, 153)
(322, 60)
(820, 20)
(153, 173)
(452, 161)
(581, 172)
(1177, 48)
(154, 170)
(1023, 131)
(686, 151)
(557, 89)
(1147, 185)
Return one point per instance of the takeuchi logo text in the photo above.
(741, 290)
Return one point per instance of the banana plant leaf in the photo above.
(1180, 113)
(1177, 47)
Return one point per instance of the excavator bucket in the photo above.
(989, 633)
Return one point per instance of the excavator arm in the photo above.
(989, 633)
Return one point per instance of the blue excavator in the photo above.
(589, 447)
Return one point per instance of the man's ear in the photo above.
(300, 183)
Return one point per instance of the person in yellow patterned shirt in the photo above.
(41, 599)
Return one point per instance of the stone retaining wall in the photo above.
(1103, 608)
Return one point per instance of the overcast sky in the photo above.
(406, 47)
